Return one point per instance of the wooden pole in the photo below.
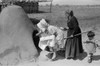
(51, 7)
(81, 33)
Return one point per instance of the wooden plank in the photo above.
(51, 7)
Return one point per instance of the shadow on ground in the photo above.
(42, 12)
(82, 56)
(60, 55)
(38, 12)
(96, 57)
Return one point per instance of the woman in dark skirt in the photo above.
(73, 45)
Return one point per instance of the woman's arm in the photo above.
(64, 28)
(39, 33)
(75, 25)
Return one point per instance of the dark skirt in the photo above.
(73, 47)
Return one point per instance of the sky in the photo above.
(76, 2)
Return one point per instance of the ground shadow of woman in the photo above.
(82, 56)
(61, 54)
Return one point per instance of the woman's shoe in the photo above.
(90, 60)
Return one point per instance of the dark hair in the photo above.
(34, 21)
(47, 20)
(90, 34)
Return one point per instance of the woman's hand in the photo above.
(64, 29)
(39, 33)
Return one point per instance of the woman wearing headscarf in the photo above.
(73, 45)
(55, 33)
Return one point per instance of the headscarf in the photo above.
(90, 34)
(70, 12)
(42, 25)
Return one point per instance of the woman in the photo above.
(52, 30)
(73, 45)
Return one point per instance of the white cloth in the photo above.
(47, 41)
(59, 34)
(42, 25)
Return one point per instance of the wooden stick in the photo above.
(51, 7)
(80, 33)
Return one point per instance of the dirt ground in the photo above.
(65, 62)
